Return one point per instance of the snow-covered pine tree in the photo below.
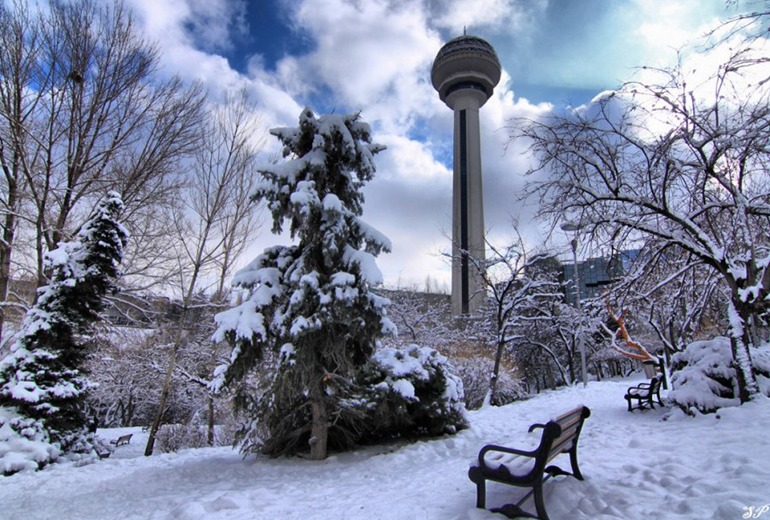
(42, 384)
(310, 303)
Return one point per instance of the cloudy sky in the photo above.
(374, 56)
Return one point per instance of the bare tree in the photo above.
(677, 299)
(82, 111)
(421, 318)
(681, 159)
(519, 285)
(216, 216)
(19, 39)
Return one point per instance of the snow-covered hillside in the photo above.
(637, 466)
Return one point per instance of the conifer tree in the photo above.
(310, 303)
(42, 383)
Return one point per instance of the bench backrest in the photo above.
(561, 434)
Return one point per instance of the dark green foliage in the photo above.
(411, 392)
(309, 304)
(42, 378)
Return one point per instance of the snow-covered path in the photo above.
(637, 466)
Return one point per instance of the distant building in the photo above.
(596, 274)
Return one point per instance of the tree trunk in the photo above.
(9, 230)
(319, 431)
(129, 411)
(164, 393)
(740, 342)
(495, 372)
(210, 429)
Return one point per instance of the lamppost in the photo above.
(575, 228)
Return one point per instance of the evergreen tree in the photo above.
(42, 383)
(310, 303)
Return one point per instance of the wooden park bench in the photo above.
(103, 454)
(123, 439)
(529, 469)
(643, 394)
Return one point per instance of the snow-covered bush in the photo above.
(24, 443)
(475, 373)
(705, 378)
(174, 437)
(412, 391)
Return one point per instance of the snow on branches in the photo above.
(312, 301)
(705, 376)
(676, 160)
(43, 387)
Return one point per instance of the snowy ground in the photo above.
(637, 466)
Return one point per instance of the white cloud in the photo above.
(484, 16)
(375, 56)
(166, 23)
(213, 23)
(666, 26)
(208, 25)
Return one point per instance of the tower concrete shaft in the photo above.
(468, 290)
(464, 73)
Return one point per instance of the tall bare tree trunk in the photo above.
(166, 388)
(210, 423)
(218, 211)
(9, 229)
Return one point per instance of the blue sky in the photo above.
(374, 56)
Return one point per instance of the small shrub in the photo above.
(411, 391)
(225, 434)
(24, 443)
(174, 437)
(704, 375)
(475, 373)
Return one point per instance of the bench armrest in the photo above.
(503, 449)
(535, 426)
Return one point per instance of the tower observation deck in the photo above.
(465, 73)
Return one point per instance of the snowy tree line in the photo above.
(84, 110)
(676, 164)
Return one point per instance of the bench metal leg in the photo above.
(573, 460)
(539, 503)
(481, 494)
(476, 476)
